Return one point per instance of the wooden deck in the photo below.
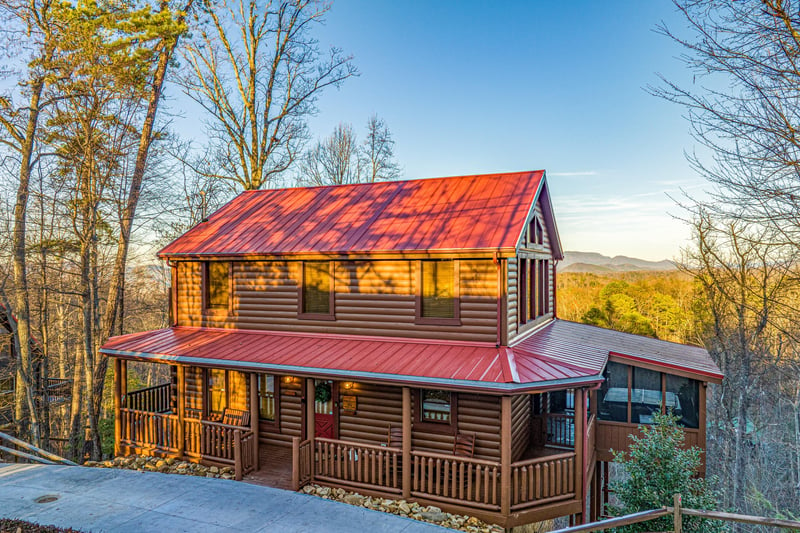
(275, 467)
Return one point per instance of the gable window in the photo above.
(217, 287)
(316, 298)
(535, 232)
(436, 410)
(267, 397)
(437, 292)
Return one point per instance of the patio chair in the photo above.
(395, 437)
(464, 445)
(236, 417)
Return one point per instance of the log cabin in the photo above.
(398, 339)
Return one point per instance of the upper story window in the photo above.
(437, 294)
(535, 232)
(217, 287)
(316, 298)
(533, 289)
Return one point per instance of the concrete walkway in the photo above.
(100, 499)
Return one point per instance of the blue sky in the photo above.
(478, 87)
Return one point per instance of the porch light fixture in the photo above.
(347, 385)
(288, 379)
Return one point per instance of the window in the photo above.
(645, 395)
(683, 398)
(533, 289)
(316, 297)
(437, 298)
(535, 232)
(267, 406)
(522, 291)
(544, 291)
(217, 399)
(613, 394)
(217, 285)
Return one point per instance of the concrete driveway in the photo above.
(100, 499)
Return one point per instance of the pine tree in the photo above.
(656, 467)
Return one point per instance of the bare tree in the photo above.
(744, 105)
(337, 160)
(257, 71)
(340, 159)
(748, 300)
(379, 151)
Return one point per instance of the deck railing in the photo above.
(542, 480)
(560, 429)
(360, 465)
(153, 399)
(150, 430)
(219, 443)
(302, 451)
(456, 480)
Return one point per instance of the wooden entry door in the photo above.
(324, 409)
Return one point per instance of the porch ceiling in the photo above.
(478, 366)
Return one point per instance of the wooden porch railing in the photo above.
(149, 430)
(542, 480)
(560, 429)
(360, 465)
(457, 480)
(153, 399)
(219, 443)
(301, 462)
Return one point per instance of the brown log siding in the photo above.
(379, 406)
(520, 425)
(291, 415)
(370, 297)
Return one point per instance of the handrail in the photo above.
(450, 457)
(49, 457)
(360, 445)
(148, 389)
(544, 459)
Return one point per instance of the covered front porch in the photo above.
(525, 459)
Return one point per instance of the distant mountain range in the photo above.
(596, 263)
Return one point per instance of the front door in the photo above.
(324, 419)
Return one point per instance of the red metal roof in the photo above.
(561, 353)
(480, 366)
(458, 213)
(588, 347)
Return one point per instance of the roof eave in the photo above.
(376, 377)
(332, 254)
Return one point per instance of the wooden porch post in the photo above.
(580, 451)
(181, 410)
(310, 393)
(254, 411)
(406, 443)
(117, 405)
(505, 456)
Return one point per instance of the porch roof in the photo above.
(561, 353)
(453, 364)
